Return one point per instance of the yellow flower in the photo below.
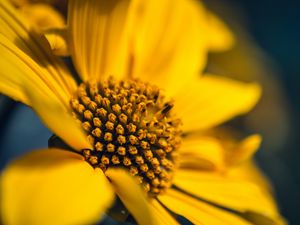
(126, 53)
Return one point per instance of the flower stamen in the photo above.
(130, 125)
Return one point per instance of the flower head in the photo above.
(137, 118)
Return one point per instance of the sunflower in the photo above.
(134, 125)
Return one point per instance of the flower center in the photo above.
(130, 125)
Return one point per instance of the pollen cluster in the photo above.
(130, 125)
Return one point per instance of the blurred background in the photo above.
(274, 27)
(267, 50)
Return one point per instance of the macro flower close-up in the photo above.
(135, 117)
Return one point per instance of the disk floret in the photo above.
(130, 124)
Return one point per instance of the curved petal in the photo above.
(169, 43)
(233, 193)
(43, 16)
(242, 151)
(236, 151)
(56, 187)
(145, 211)
(197, 211)
(207, 151)
(211, 100)
(220, 37)
(18, 30)
(97, 37)
(57, 39)
(201, 153)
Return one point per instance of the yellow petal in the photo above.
(145, 211)
(197, 211)
(162, 216)
(60, 121)
(220, 38)
(261, 220)
(58, 41)
(22, 79)
(201, 153)
(251, 172)
(131, 195)
(170, 47)
(211, 100)
(21, 73)
(53, 187)
(12, 92)
(236, 194)
(43, 16)
(236, 151)
(122, 38)
(243, 151)
(18, 30)
(97, 37)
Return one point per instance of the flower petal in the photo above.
(170, 45)
(197, 211)
(126, 40)
(131, 195)
(220, 37)
(236, 151)
(22, 79)
(60, 121)
(145, 211)
(212, 100)
(57, 39)
(25, 80)
(243, 151)
(21, 73)
(201, 153)
(18, 30)
(261, 220)
(251, 172)
(55, 187)
(97, 37)
(43, 16)
(233, 193)
(162, 216)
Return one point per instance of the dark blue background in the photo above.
(275, 25)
